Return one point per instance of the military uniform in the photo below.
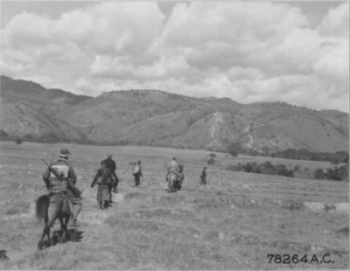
(111, 165)
(204, 177)
(65, 186)
(173, 167)
(103, 178)
(137, 175)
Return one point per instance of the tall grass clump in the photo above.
(265, 168)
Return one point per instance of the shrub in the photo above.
(4, 135)
(18, 140)
(297, 168)
(304, 154)
(283, 171)
(334, 174)
(212, 155)
(234, 149)
(211, 161)
(265, 168)
(293, 205)
(319, 174)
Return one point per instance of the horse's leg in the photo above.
(40, 244)
(169, 184)
(44, 232)
(62, 232)
(53, 211)
(70, 235)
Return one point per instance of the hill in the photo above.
(29, 110)
(156, 118)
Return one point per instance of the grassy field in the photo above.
(233, 223)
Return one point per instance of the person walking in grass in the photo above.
(111, 165)
(137, 172)
(103, 178)
(204, 176)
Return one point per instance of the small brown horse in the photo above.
(48, 210)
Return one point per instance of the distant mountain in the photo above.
(156, 118)
(28, 109)
(35, 93)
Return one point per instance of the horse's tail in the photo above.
(42, 206)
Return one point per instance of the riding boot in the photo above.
(75, 209)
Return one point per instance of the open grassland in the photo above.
(233, 223)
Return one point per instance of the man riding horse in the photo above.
(177, 169)
(66, 186)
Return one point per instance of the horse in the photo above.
(49, 212)
(173, 183)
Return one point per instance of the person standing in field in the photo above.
(111, 165)
(204, 176)
(65, 186)
(137, 172)
(103, 178)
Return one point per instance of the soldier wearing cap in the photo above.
(204, 176)
(102, 178)
(64, 186)
(110, 164)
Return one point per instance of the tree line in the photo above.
(264, 168)
(333, 174)
(295, 154)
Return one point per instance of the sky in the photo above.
(294, 52)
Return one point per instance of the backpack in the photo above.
(136, 169)
(104, 178)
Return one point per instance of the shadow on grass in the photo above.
(108, 204)
(3, 255)
(58, 237)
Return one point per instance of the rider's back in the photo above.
(173, 166)
(64, 170)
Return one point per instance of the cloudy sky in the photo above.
(296, 52)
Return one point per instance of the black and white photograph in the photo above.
(174, 135)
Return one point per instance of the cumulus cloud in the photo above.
(336, 23)
(104, 28)
(121, 68)
(26, 29)
(249, 52)
(13, 62)
(112, 28)
(86, 87)
(45, 81)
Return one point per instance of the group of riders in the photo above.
(60, 180)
